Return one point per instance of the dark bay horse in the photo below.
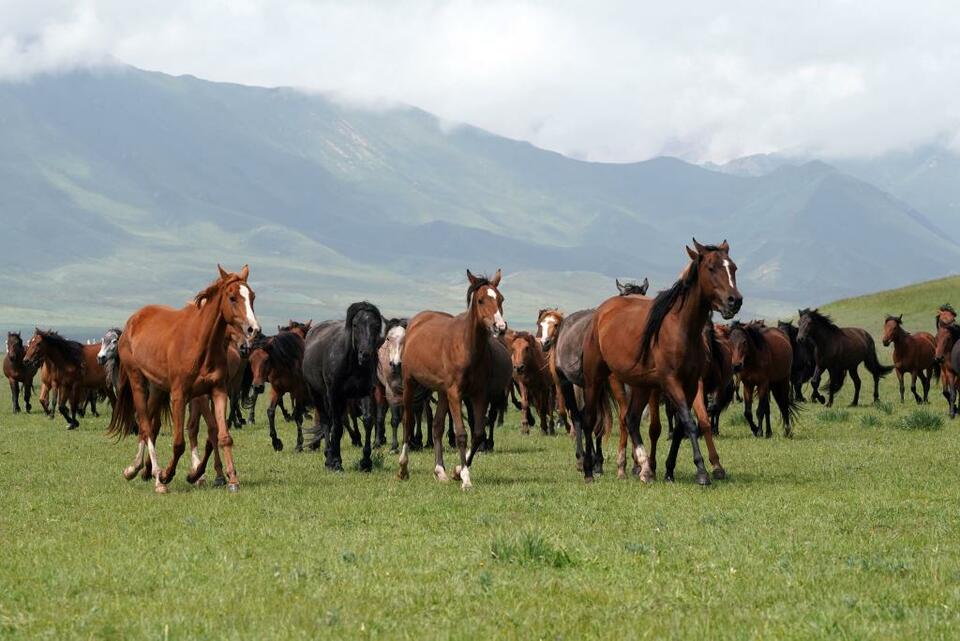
(19, 374)
(946, 315)
(840, 351)
(531, 370)
(74, 368)
(278, 360)
(804, 361)
(763, 358)
(654, 345)
(340, 365)
(912, 353)
(633, 289)
(169, 356)
(947, 356)
(453, 356)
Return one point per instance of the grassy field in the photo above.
(847, 531)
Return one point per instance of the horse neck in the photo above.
(212, 334)
(475, 334)
(692, 316)
(57, 358)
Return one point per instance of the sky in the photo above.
(598, 80)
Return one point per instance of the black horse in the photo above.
(840, 350)
(629, 288)
(804, 362)
(340, 364)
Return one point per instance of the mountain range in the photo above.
(120, 187)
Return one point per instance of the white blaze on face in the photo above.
(395, 342)
(726, 265)
(103, 349)
(250, 321)
(498, 321)
(546, 329)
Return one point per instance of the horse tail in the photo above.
(873, 363)
(123, 420)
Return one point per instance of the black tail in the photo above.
(123, 421)
(873, 363)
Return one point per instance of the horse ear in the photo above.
(724, 245)
(646, 285)
(700, 248)
(223, 272)
(619, 286)
(900, 318)
(244, 273)
(691, 253)
(471, 277)
(495, 281)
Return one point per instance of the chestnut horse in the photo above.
(453, 356)
(18, 373)
(168, 356)
(531, 371)
(279, 361)
(74, 370)
(658, 344)
(763, 358)
(838, 351)
(913, 353)
(947, 356)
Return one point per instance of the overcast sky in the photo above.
(602, 80)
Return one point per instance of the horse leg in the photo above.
(193, 429)
(815, 394)
(27, 394)
(781, 394)
(272, 420)
(93, 404)
(573, 409)
(632, 414)
(656, 427)
(298, 420)
(748, 409)
(178, 406)
(461, 472)
(338, 421)
(366, 417)
(210, 447)
(524, 409)
(417, 444)
(925, 377)
(224, 440)
(765, 400)
(396, 416)
(15, 393)
(899, 373)
(436, 427)
(428, 414)
(703, 420)
(252, 414)
(913, 386)
(855, 377)
(683, 399)
(62, 408)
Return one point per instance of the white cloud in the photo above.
(600, 80)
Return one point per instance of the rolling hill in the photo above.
(120, 187)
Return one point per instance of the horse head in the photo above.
(891, 327)
(14, 347)
(36, 349)
(548, 324)
(717, 274)
(947, 336)
(236, 301)
(108, 346)
(364, 324)
(486, 302)
(396, 333)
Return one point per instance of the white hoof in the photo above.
(465, 483)
(441, 474)
(201, 482)
(161, 488)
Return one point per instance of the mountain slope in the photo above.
(122, 187)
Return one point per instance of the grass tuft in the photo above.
(870, 420)
(884, 406)
(833, 415)
(921, 419)
(529, 548)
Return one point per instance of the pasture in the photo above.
(847, 531)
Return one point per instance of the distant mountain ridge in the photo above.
(122, 187)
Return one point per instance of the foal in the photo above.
(913, 353)
(763, 358)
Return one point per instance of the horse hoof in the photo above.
(588, 480)
(668, 477)
(621, 474)
(233, 487)
(200, 482)
(277, 445)
(719, 474)
(403, 474)
(161, 488)
(394, 449)
(298, 448)
(366, 465)
(703, 478)
(441, 474)
(72, 426)
(456, 473)
(220, 481)
(129, 472)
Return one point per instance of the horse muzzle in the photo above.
(737, 368)
(520, 369)
(938, 360)
(731, 306)
(886, 342)
(259, 389)
(101, 360)
(396, 368)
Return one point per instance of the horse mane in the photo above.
(895, 319)
(947, 307)
(390, 323)
(753, 332)
(356, 308)
(72, 351)
(666, 300)
(821, 319)
(212, 289)
(954, 330)
(478, 282)
(285, 350)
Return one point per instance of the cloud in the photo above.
(604, 80)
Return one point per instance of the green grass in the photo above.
(840, 532)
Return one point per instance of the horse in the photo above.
(804, 361)
(947, 356)
(633, 289)
(499, 383)
(531, 370)
(764, 359)
(279, 361)
(248, 396)
(946, 315)
(167, 357)
(340, 364)
(73, 367)
(839, 351)
(453, 355)
(18, 373)
(49, 394)
(389, 390)
(913, 353)
(657, 345)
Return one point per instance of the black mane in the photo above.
(895, 319)
(389, 324)
(665, 301)
(477, 283)
(753, 332)
(820, 319)
(285, 350)
(72, 351)
(362, 306)
(954, 330)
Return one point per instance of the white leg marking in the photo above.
(195, 458)
(640, 455)
(441, 474)
(403, 455)
(465, 483)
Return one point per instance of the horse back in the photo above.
(781, 353)
(569, 344)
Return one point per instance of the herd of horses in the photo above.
(456, 374)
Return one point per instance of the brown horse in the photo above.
(452, 355)
(279, 361)
(913, 353)
(947, 356)
(658, 344)
(531, 371)
(48, 390)
(946, 315)
(840, 350)
(168, 356)
(763, 358)
(18, 373)
(73, 368)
